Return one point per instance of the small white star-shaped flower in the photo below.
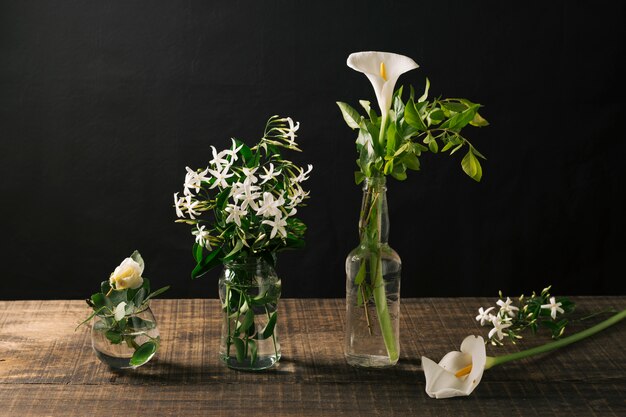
(278, 226)
(190, 206)
(220, 177)
(498, 325)
(554, 307)
(484, 316)
(202, 237)
(304, 175)
(234, 214)
(178, 203)
(193, 180)
(270, 206)
(247, 193)
(269, 174)
(506, 307)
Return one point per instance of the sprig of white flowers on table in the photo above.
(459, 372)
(244, 202)
(534, 312)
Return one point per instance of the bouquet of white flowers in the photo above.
(244, 202)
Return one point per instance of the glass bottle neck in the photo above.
(374, 217)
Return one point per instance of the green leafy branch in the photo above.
(414, 127)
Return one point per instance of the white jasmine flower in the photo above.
(233, 152)
(178, 203)
(507, 308)
(247, 193)
(303, 176)
(269, 174)
(499, 324)
(202, 237)
(484, 315)
(234, 214)
(290, 132)
(220, 177)
(190, 206)
(554, 307)
(270, 206)
(194, 180)
(120, 311)
(278, 226)
(442, 380)
(218, 158)
(297, 196)
(249, 174)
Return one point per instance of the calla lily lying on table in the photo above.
(459, 373)
(383, 70)
(441, 379)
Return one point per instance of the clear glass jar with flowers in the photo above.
(242, 207)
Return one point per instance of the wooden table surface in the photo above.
(48, 369)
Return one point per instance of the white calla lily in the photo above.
(441, 379)
(383, 70)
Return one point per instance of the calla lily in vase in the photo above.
(390, 144)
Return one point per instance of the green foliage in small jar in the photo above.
(124, 295)
(243, 203)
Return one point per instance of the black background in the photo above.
(104, 103)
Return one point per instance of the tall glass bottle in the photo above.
(373, 286)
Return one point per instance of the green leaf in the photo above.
(98, 300)
(136, 256)
(425, 95)
(241, 349)
(105, 286)
(359, 177)
(360, 276)
(368, 109)
(197, 252)
(412, 117)
(144, 353)
(432, 143)
(471, 166)
(455, 107)
(411, 161)
(233, 252)
(157, 293)
(210, 261)
(478, 121)
(114, 336)
(253, 350)
(460, 120)
(247, 321)
(269, 328)
(350, 115)
(391, 139)
(139, 297)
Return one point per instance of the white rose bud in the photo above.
(127, 275)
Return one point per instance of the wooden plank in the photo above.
(47, 368)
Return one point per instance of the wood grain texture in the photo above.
(48, 369)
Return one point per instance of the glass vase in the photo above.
(373, 286)
(249, 291)
(128, 343)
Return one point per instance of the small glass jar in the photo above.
(128, 343)
(249, 291)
